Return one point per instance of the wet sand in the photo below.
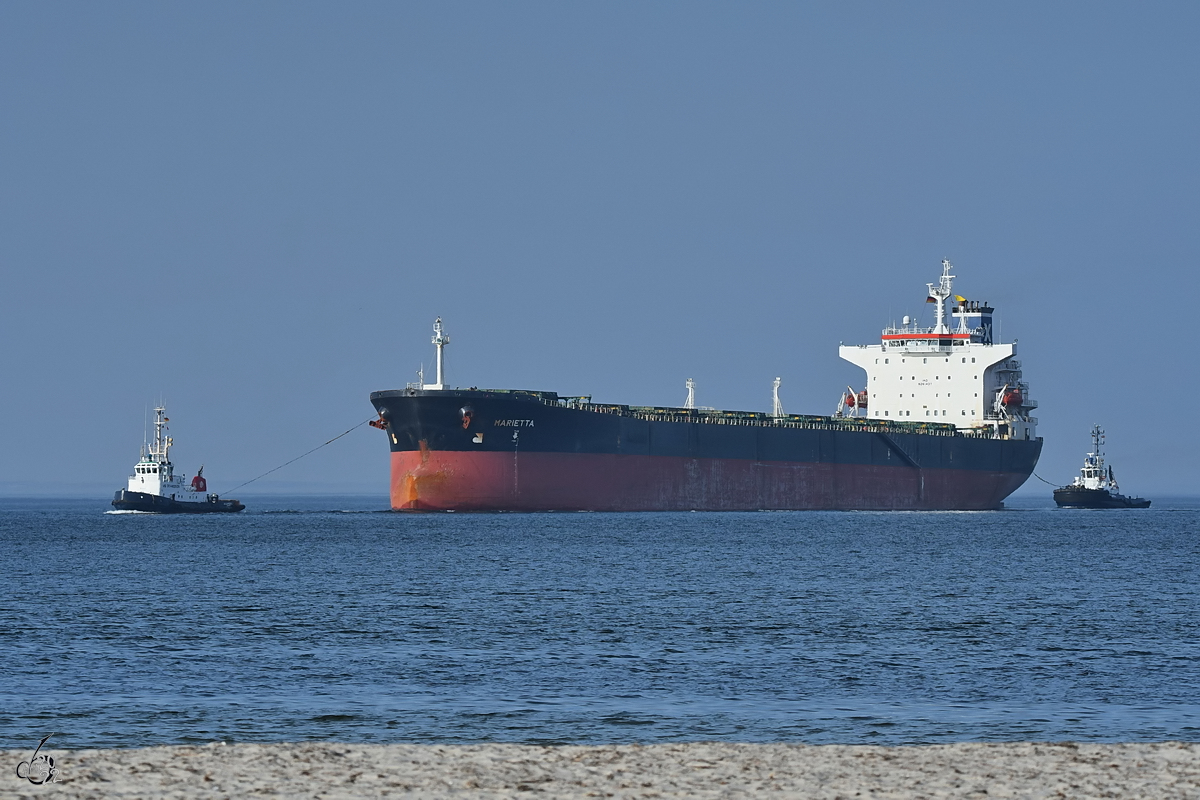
(699, 770)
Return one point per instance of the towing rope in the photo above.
(297, 458)
(1043, 480)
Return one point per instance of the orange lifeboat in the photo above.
(1012, 397)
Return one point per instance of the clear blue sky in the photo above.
(256, 210)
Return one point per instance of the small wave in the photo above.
(127, 511)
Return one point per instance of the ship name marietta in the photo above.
(513, 423)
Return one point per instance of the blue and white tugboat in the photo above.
(154, 486)
(1096, 487)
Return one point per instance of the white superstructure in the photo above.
(952, 373)
(155, 474)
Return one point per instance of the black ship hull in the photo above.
(125, 500)
(481, 450)
(1079, 497)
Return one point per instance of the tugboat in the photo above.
(1096, 487)
(154, 486)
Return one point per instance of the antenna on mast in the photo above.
(776, 406)
(691, 398)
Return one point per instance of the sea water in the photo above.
(334, 619)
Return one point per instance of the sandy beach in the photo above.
(704, 769)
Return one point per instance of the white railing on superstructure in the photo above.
(910, 330)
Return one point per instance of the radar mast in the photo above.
(941, 294)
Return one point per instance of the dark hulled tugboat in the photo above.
(1096, 487)
(154, 486)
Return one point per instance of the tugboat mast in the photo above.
(159, 451)
(1093, 466)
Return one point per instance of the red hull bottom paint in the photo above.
(425, 480)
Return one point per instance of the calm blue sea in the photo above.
(331, 618)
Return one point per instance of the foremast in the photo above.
(440, 340)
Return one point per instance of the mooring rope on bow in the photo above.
(297, 458)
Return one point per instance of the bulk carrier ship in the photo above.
(944, 422)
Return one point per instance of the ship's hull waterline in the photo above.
(512, 451)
